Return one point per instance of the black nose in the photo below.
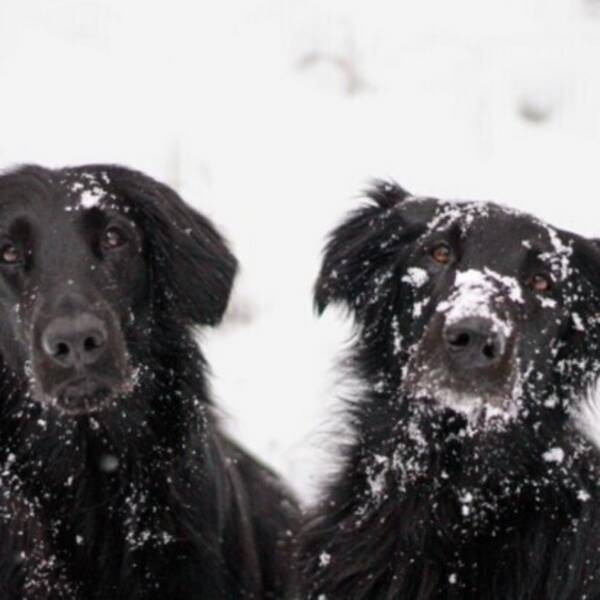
(76, 341)
(474, 343)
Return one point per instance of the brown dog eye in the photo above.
(11, 255)
(113, 238)
(441, 254)
(540, 283)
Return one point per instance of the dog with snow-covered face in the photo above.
(469, 473)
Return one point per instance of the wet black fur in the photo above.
(187, 513)
(532, 531)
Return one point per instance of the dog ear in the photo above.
(360, 248)
(194, 268)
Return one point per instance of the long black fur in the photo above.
(149, 500)
(424, 507)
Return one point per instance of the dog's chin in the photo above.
(86, 396)
(82, 405)
(478, 401)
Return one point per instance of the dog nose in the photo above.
(76, 341)
(474, 343)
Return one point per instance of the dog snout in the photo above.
(474, 343)
(76, 341)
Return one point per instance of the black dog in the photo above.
(478, 344)
(116, 482)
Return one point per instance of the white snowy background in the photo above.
(271, 115)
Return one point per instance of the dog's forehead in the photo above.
(490, 221)
(55, 210)
(83, 190)
(496, 235)
(486, 217)
(50, 194)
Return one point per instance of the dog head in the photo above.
(91, 259)
(468, 306)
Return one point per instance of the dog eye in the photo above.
(540, 283)
(113, 238)
(11, 255)
(441, 253)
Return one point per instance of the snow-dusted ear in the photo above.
(194, 268)
(359, 248)
(194, 262)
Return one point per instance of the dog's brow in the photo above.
(447, 231)
(533, 249)
(11, 202)
(9, 219)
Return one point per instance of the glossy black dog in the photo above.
(116, 482)
(467, 474)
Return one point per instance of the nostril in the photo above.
(489, 350)
(92, 343)
(61, 350)
(459, 339)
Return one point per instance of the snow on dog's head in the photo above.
(87, 189)
(467, 306)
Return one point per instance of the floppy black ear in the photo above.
(194, 268)
(359, 249)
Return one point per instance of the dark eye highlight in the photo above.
(441, 253)
(113, 237)
(540, 283)
(10, 254)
